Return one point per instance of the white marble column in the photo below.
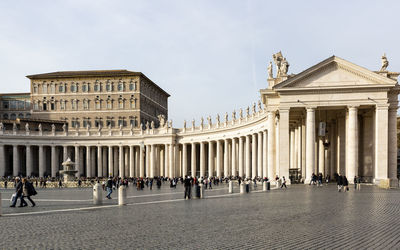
(218, 159)
(88, 163)
(42, 167)
(210, 159)
(166, 160)
(104, 160)
(234, 162)
(99, 161)
(352, 145)
(152, 160)
(93, 161)
(184, 160)
(77, 162)
(131, 161)
(54, 167)
(202, 160)
(141, 162)
(259, 155)
(310, 140)
(284, 143)
(16, 162)
(3, 161)
(264, 155)
(298, 147)
(303, 148)
(110, 161)
(381, 143)
(65, 153)
(171, 161)
(29, 167)
(292, 143)
(193, 160)
(321, 156)
(240, 153)
(253, 156)
(271, 145)
(226, 158)
(392, 127)
(248, 156)
(147, 167)
(162, 162)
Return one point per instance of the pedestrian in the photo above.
(79, 183)
(339, 182)
(5, 184)
(28, 190)
(355, 182)
(358, 183)
(188, 187)
(283, 182)
(345, 184)
(18, 194)
(59, 183)
(109, 186)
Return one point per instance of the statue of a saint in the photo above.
(270, 72)
(209, 120)
(40, 127)
(278, 59)
(88, 127)
(193, 124)
(241, 113)
(259, 105)
(254, 108)
(284, 66)
(152, 125)
(184, 124)
(248, 111)
(64, 127)
(202, 121)
(218, 121)
(385, 63)
(170, 123)
(147, 125)
(226, 117)
(234, 115)
(53, 128)
(27, 127)
(99, 128)
(1, 126)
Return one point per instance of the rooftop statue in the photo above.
(64, 127)
(226, 117)
(201, 121)
(53, 128)
(209, 120)
(234, 115)
(385, 63)
(254, 108)
(1, 126)
(193, 123)
(27, 127)
(278, 59)
(270, 71)
(241, 113)
(152, 125)
(14, 126)
(184, 124)
(284, 66)
(259, 105)
(40, 127)
(218, 121)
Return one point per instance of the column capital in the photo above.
(382, 106)
(311, 108)
(353, 107)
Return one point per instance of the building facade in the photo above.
(15, 105)
(333, 118)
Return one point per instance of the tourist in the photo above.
(18, 193)
(320, 180)
(79, 183)
(358, 180)
(28, 190)
(151, 184)
(5, 184)
(345, 184)
(283, 182)
(188, 187)
(109, 187)
(339, 181)
(59, 183)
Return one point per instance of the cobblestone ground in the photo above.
(301, 217)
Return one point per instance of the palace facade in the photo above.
(333, 118)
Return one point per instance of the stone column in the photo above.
(99, 161)
(28, 160)
(265, 155)
(253, 156)
(93, 161)
(147, 167)
(303, 148)
(141, 162)
(54, 167)
(284, 143)
(65, 153)
(271, 144)
(234, 163)
(392, 127)
(298, 147)
(16, 164)
(162, 162)
(210, 159)
(166, 165)
(321, 156)
(240, 156)
(381, 143)
(291, 148)
(152, 161)
(218, 159)
(193, 160)
(131, 161)
(42, 168)
(310, 140)
(3, 160)
(110, 161)
(105, 163)
(248, 157)
(277, 147)
(88, 163)
(259, 155)
(352, 145)
(226, 158)
(77, 162)
(171, 161)
(202, 160)
(184, 160)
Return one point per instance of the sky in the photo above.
(210, 56)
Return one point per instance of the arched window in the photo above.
(20, 115)
(13, 116)
(5, 116)
(120, 86)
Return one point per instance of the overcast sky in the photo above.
(211, 56)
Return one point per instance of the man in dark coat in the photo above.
(188, 187)
(18, 192)
(339, 181)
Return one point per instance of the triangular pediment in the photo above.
(334, 72)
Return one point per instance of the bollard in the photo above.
(247, 188)
(242, 188)
(97, 194)
(230, 187)
(197, 191)
(264, 186)
(121, 195)
(0, 204)
(277, 183)
(268, 185)
(201, 191)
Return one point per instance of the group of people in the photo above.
(23, 189)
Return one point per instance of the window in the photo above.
(108, 86)
(21, 104)
(28, 115)
(74, 123)
(62, 105)
(98, 103)
(44, 106)
(44, 88)
(133, 103)
(132, 121)
(6, 105)
(86, 122)
(5, 116)
(85, 87)
(61, 88)
(73, 87)
(35, 89)
(132, 86)
(85, 104)
(20, 115)
(97, 86)
(120, 86)
(98, 122)
(109, 103)
(120, 102)
(53, 88)
(13, 116)
(36, 106)
(121, 121)
(109, 122)
(74, 104)
(13, 104)
(52, 106)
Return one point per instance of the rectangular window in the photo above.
(53, 89)
(97, 87)
(73, 104)
(85, 104)
(98, 105)
(61, 89)
(121, 104)
(35, 89)
(132, 86)
(36, 106)
(44, 106)
(62, 105)
(52, 106)
(109, 105)
(44, 88)
(6, 105)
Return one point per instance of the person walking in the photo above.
(18, 194)
(109, 186)
(345, 184)
(283, 182)
(28, 190)
(188, 187)
(339, 183)
(358, 183)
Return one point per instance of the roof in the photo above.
(15, 95)
(92, 73)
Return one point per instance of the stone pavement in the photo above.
(297, 218)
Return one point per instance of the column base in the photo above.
(387, 183)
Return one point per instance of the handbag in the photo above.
(13, 197)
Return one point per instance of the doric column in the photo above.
(54, 167)
(234, 162)
(93, 161)
(247, 156)
(240, 156)
(28, 160)
(210, 159)
(141, 162)
(16, 165)
(298, 147)
(42, 168)
(99, 161)
(105, 163)
(147, 161)
(303, 148)
(259, 155)
(352, 145)
(162, 162)
(284, 143)
(218, 159)
(131, 161)
(271, 144)
(166, 160)
(171, 161)
(152, 161)
(292, 150)
(264, 154)
(77, 162)
(3, 161)
(110, 161)
(184, 160)
(202, 160)
(381, 142)
(88, 163)
(393, 146)
(310, 140)
(193, 159)
(321, 156)
(226, 158)
(253, 156)
(65, 153)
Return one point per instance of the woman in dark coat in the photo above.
(339, 181)
(345, 184)
(28, 190)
